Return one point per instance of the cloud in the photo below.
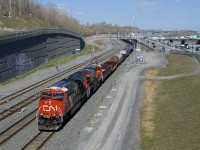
(146, 4)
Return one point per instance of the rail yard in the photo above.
(99, 75)
(104, 117)
(19, 109)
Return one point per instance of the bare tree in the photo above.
(52, 15)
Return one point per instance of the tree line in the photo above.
(56, 17)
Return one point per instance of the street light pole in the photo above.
(134, 21)
(10, 13)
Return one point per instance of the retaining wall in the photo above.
(19, 54)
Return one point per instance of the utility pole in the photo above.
(133, 21)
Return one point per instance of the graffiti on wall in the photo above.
(23, 63)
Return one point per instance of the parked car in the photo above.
(176, 46)
(182, 46)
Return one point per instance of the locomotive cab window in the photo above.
(58, 96)
(45, 95)
(75, 88)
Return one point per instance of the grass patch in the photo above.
(19, 23)
(101, 43)
(5, 32)
(146, 48)
(148, 113)
(179, 64)
(176, 115)
(10, 22)
(88, 49)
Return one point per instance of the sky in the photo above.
(170, 15)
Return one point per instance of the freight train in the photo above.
(60, 100)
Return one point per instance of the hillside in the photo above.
(33, 14)
(170, 115)
(8, 25)
(6, 22)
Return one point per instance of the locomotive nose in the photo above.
(49, 107)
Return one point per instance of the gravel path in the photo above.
(108, 118)
(119, 128)
(196, 72)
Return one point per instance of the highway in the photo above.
(168, 48)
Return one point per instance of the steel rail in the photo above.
(33, 86)
(29, 100)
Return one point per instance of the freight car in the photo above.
(109, 66)
(60, 100)
(98, 77)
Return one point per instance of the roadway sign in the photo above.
(198, 36)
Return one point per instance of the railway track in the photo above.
(29, 100)
(40, 139)
(31, 87)
(15, 128)
(18, 107)
(37, 142)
